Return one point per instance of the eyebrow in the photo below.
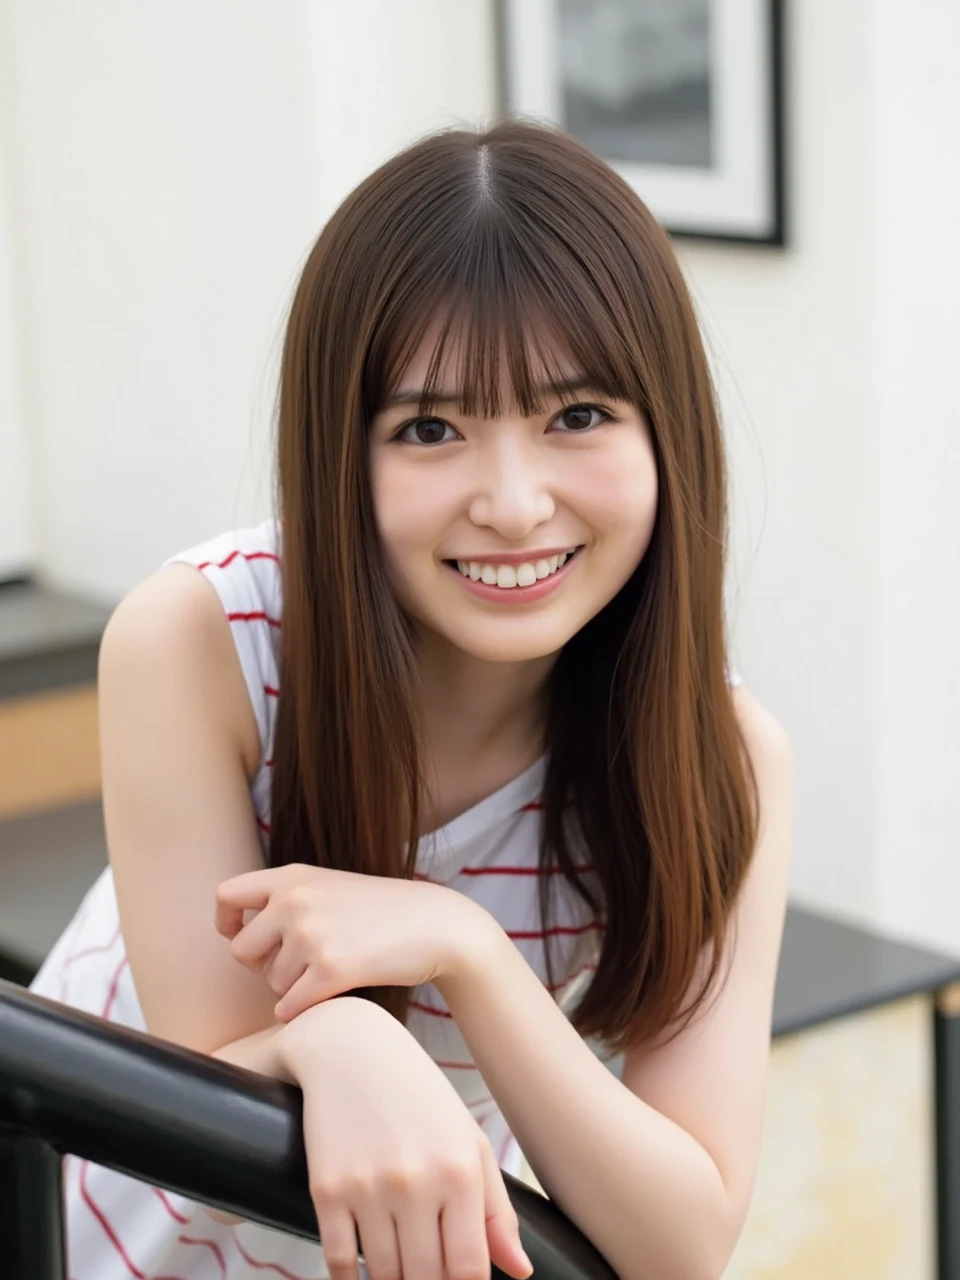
(577, 382)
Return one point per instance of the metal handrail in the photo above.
(72, 1083)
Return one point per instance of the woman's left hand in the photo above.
(317, 933)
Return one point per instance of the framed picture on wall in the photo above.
(683, 97)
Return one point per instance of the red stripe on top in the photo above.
(565, 982)
(109, 1231)
(556, 931)
(97, 1210)
(256, 615)
(104, 1222)
(265, 1266)
(247, 555)
(271, 691)
(171, 1209)
(428, 1008)
(76, 933)
(82, 955)
(520, 871)
(214, 1249)
(114, 988)
(264, 826)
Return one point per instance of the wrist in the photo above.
(477, 944)
(316, 1032)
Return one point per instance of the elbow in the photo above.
(717, 1246)
(702, 1251)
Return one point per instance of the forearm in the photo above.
(268, 1053)
(260, 1052)
(638, 1185)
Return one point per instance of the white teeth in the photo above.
(507, 576)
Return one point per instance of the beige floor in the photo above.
(845, 1189)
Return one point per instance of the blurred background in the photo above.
(165, 168)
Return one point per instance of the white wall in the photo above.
(788, 333)
(392, 72)
(162, 201)
(841, 386)
(176, 161)
(17, 543)
(916, 425)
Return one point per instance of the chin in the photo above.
(504, 648)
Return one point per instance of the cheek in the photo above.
(624, 491)
(411, 508)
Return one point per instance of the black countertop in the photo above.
(830, 969)
(48, 639)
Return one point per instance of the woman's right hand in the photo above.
(394, 1153)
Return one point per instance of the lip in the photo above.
(517, 557)
(517, 595)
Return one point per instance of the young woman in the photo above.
(416, 789)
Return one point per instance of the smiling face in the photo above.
(476, 514)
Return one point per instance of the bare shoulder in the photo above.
(171, 629)
(175, 605)
(764, 737)
(771, 757)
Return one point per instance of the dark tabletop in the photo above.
(48, 639)
(829, 969)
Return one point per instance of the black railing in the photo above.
(73, 1083)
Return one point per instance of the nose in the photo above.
(512, 491)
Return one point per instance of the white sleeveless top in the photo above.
(118, 1228)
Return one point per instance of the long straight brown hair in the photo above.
(516, 239)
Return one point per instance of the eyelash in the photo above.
(579, 404)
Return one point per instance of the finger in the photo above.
(256, 940)
(463, 1235)
(379, 1244)
(281, 969)
(338, 1236)
(311, 987)
(418, 1232)
(234, 897)
(502, 1224)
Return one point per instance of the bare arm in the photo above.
(657, 1170)
(178, 743)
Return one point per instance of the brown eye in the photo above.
(580, 417)
(423, 431)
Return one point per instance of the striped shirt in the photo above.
(118, 1228)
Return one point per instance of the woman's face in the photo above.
(476, 514)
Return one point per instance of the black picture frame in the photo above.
(733, 188)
